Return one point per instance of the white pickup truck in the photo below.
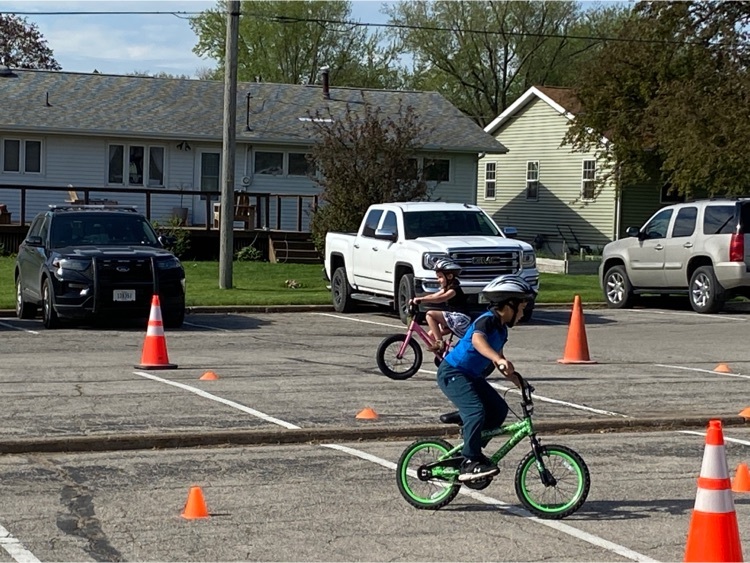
(390, 260)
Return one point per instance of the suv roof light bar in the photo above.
(93, 206)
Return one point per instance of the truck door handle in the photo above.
(688, 245)
(356, 246)
(658, 247)
(375, 248)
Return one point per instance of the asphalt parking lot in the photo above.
(305, 376)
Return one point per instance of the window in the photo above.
(532, 180)
(373, 218)
(669, 195)
(22, 157)
(684, 223)
(719, 220)
(588, 179)
(210, 171)
(437, 170)
(447, 224)
(130, 162)
(298, 164)
(269, 163)
(489, 180)
(657, 227)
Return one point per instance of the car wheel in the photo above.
(50, 319)
(174, 318)
(528, 312)
(341, 291)
(617, 289)
(405, 294)
(706, 293)
(24, 309)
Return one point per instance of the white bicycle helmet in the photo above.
(507, 287)
(447, 267)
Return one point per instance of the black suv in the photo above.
(92, 260)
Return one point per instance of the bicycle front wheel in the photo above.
(570, 488)
(423, 487)
(395, 366)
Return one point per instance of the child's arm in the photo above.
(479, 341)
(439, 296)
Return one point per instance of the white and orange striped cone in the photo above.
(713, 534)
(154, 354)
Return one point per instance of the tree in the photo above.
(22, 45)
(290, 41)
(483, 55)
(362, 159)
(671, 96)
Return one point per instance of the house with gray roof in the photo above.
(156, 142)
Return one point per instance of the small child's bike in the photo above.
(552, 481)
(399, 356)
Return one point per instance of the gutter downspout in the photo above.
(618, 205)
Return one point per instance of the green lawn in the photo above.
(262, 283)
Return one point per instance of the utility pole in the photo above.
(228, 148)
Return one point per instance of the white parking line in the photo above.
(726, 438)
(208, 327)
(704, 371)
(402, 327)
(559, 526)
(6, 325)
(697, 316)
(15, 548)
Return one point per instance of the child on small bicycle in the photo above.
(454, 319)
(460, 374)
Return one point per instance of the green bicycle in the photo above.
(552, 481)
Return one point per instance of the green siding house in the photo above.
(545, 189)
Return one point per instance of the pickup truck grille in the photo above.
(486, 264)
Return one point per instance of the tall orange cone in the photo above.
(154, 354)
(577, 346)
(713, 534)
(195, 507)
(741, 481)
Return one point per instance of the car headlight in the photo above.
(429, 259)
(71, 264)
(168, 264)
(529, 259)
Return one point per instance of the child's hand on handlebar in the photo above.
(506, 368)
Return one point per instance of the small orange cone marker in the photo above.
(209, 376)
(745, 413)
(154, 354)
(195, 507)
(577, 346)
(741, 482)
(367, 414)
(713, 534)
(723, 368)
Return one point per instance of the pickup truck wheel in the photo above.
(405, 294)
(24, 309)
(174, 318)
(50, 319)
(617, 289)
(341, 292)
(706, 293)
(528, 312)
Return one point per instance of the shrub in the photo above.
(177, 232)
(248, 254)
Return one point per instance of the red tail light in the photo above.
(737, 248)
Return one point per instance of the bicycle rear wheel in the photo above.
(571, 487)
(431, 491)
(394, 366)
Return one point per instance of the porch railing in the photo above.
(264, 218)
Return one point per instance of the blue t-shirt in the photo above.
(464, 356)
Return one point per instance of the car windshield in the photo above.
(447, 224)
(102, 230)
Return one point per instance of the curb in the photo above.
(174, 440)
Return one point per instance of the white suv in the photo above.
(700, 248)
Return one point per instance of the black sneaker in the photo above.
(477, 469)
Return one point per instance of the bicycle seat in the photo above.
(451, 418)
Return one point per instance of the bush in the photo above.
(248, 254)
(177, 232)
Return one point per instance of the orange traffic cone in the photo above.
(713, 534)
(195, 507)
(209, 376)
(367, 414)
(745, 413)
(154, 354)
(741, 482)
(576, 347)
(723, 368)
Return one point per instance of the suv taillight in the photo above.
(737, 248)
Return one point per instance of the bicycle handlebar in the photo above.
(526, 388)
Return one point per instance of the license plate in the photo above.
(124, 295)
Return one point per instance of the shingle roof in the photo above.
(566, 97)
(130, 106)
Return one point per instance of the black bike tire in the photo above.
(402, 466)
(528, 463)
(380, 357)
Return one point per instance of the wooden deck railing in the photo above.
(262, 201)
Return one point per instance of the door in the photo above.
(679, 247)
(363, 252)
(646, 257)
(384, 256)
(208, 174)
(31, 259)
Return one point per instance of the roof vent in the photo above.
(326, 89)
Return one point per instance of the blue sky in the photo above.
(120, 44)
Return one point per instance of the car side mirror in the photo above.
(35, 240)
(385, 234)
(167, 241)
(633, 232)
(510, 232)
